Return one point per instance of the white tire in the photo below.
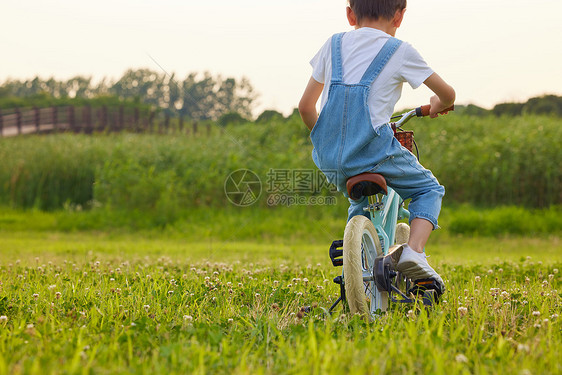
(361, 245)
(402, 233)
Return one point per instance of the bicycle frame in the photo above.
(385, 213)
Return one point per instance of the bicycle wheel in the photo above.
(402, 233)
(361, 245)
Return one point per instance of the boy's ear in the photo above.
(398, 17)
(351, 16)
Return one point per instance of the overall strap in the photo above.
(337, 71)
(380, 61)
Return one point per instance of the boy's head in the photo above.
(376, 9)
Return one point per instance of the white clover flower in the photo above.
(35, 295)
(461, 358)
(462, 311)
(477, 279)
(230, 320)
(58, 295)
(146, 307)
(3, 319)
(188, 318)
(536, 313)
(51, 287)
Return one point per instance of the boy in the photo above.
(360, 75)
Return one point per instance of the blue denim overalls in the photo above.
(346, 144)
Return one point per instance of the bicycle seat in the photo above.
(366, 184)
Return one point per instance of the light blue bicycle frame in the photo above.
(385, 213)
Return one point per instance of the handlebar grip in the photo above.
(424, 110)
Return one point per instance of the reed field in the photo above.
(121, 253)
(486, 161)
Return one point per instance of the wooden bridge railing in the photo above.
(85, 119)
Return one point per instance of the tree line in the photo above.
(550, 105)
(198, 96)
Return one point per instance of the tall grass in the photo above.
(491, 161)
(484, 161)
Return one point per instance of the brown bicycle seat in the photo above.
(366, 184)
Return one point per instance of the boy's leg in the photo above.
(410, 179)
(420, 229)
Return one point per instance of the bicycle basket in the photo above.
(406, 139)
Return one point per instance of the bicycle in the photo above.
(368, 253)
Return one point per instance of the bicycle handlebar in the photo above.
(424, 110)
(419, 112)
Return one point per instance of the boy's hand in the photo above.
(444, 94)
(437, 107)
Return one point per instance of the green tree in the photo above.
(270, 115)
(544, 105)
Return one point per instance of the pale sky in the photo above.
(490, 51)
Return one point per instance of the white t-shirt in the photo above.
(359, 48)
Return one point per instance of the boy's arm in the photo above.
(307, 105)
(444, 94)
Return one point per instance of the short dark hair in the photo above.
(375, 9)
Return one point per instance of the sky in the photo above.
(490, 51)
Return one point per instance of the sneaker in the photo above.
(414, 265)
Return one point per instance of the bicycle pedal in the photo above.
(422, 285)
(336, 253)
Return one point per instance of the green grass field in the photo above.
(122, 302)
